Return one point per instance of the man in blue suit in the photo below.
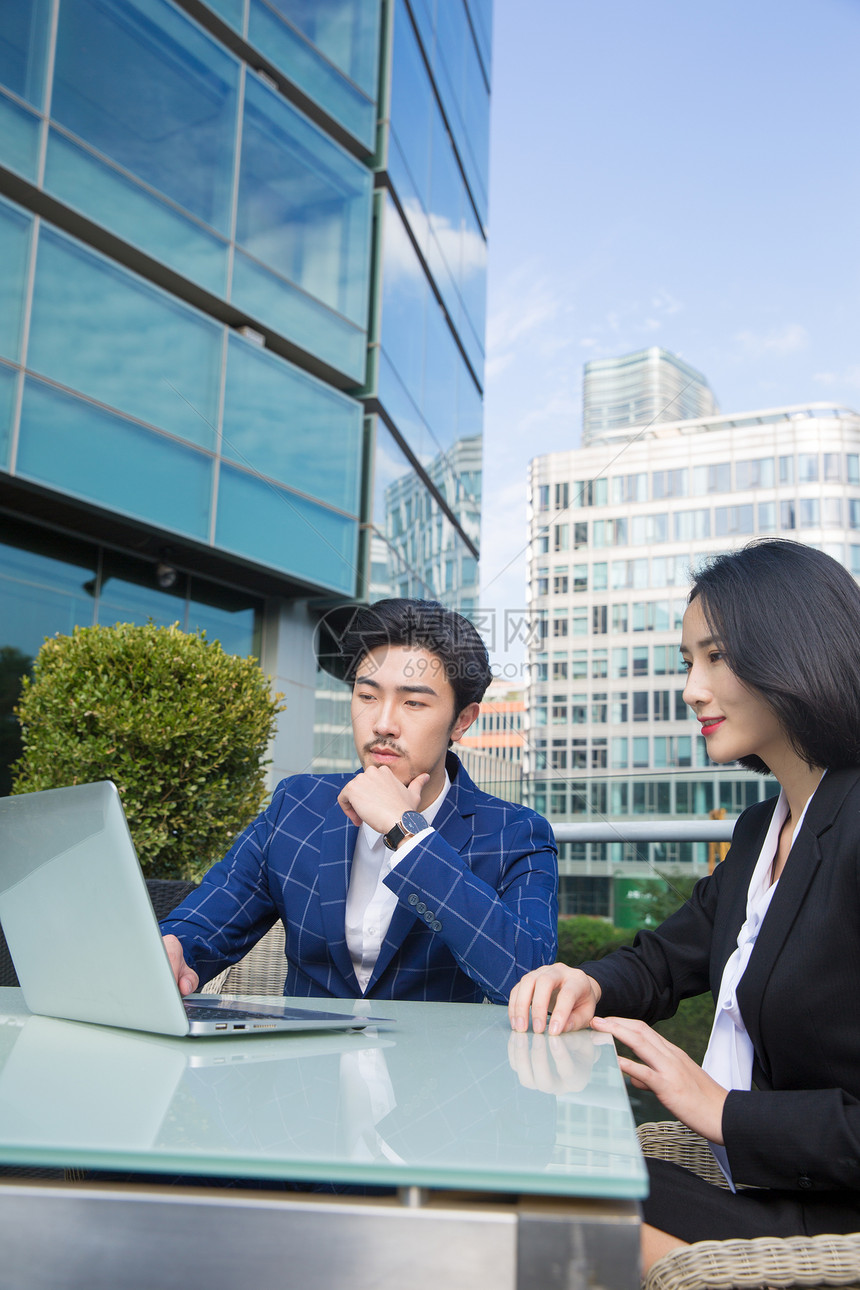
(403, 881)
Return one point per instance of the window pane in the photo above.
(181, 140)
(259, 434)
(95, 454)
(89, 320)
(23, 44)
(15, 228)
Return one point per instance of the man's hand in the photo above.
(186, 978)
(376, 797)
(687, 1093)
(567, 992)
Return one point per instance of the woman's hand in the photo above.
(685, 1090)
(567, 992)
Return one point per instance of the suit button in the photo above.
(429, 917)
(805, 1182)
(437, 926)
(413, 898)
(421, 908)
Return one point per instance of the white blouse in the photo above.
(729, 1059)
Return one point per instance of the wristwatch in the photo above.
(409, 824)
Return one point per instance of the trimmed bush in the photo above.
(178, 725)
(584, 937)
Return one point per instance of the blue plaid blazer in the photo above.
(485, 882)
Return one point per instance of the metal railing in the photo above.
(644, 831)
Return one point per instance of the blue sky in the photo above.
(673, 172)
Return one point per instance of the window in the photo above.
(712, 479)
(767, 517)
(542, 584)
(831, 511)
(755, 473)
(559, 713)
(562, 497)
(559, 584)
(854, 513)
(832, 467)
(560, 537)
(559, 669)
(668, 483)
(598, 620)
(591, 492)
(619, 754)
(640, 660)
(579, 709)
(619, 618)
(599, 576)
(733, 519)
(539, 711)
(580, 620)
(786, 515)
(578, 754)
(630, 488)
(599, 663)
(682, 712)
(808, 513)
(629, 573)
(599, 761)
(558, 755)
(646, 529)
(580, 534)
(852, 467)
(579, 662)
(786, 470)
(580, 577)
(640, 705)
(599, 708)
(559, 626)
(690, 525)
(558, 799)
(543, 497)
(660, 705)
(619, 661)
(807, 467)
(640, 751)
(619, 708)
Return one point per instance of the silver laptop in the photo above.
(82, 932)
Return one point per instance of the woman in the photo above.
(771, 645)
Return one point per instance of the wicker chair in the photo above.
(261, 971)
(815, 1261)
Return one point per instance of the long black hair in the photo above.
(787, 618)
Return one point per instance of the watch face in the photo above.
(412, 822)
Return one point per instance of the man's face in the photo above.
(403, 714)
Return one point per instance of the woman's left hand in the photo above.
(683, 1087)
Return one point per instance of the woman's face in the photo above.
(734, 720)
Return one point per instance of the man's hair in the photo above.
(422, 624)
(787, 618)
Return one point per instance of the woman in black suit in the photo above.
(771, 644)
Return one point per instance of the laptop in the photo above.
(83, 935)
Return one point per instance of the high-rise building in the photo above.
(639, 389)
(242, 275)
(613, 538)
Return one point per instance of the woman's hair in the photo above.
(787, 618)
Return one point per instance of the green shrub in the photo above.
(178, 725)
(583, 938)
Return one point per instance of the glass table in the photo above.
(496, 1159)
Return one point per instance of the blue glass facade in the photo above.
(242, 277)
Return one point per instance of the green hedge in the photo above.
(178, 725)
(582, 938)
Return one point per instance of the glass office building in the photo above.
(613, 539)
(242, 277)
(638, 389)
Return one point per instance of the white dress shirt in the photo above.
(369, 903)
(729, 1059)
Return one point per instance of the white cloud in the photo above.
(786, 340)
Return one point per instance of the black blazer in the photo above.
(799, 1128)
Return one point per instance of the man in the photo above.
(404, 881)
